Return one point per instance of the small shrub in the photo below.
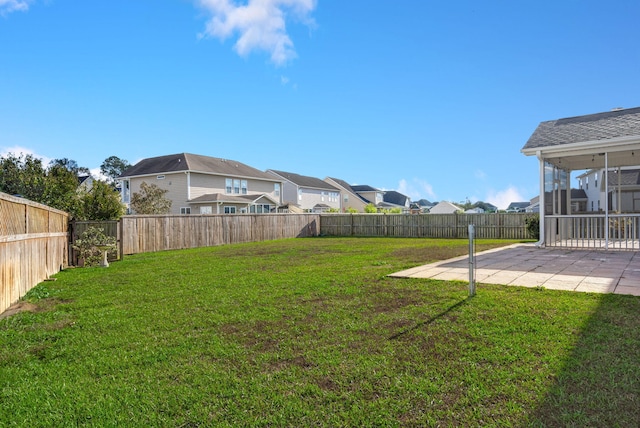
(533, 226)
(89, 243)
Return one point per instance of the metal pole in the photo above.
(472, 262)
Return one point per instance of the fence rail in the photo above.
(33, 246)
(487, 226)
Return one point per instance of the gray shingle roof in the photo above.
(305, 181)
(395, 198)
(592, 127)
(578, 194)
(219, 197)
(627, 177)
(364, 188)
(194, 163)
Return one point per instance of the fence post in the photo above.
(472, 262)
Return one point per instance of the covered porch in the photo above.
(603, 150)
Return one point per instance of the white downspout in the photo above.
(541, 202)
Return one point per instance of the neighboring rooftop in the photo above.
(194, 163)
(304, 181)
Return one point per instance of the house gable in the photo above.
(307, 193)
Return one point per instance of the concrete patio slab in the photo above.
(593, 271)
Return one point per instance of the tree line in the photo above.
(58, 185)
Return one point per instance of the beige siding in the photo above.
(201, 184)
(205, 184)
(175, 183)
(312, 197)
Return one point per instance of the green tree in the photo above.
(150, 200)
(113, 167)
(101, 202)
(22, 175)
(61, 189)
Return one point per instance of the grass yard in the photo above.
(311, 332)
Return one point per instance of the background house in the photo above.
(518, 207)
(445, 207)
(349, 198)
(393, 199)
(309, 194)
(369, 194)
(199, 184)
(623, 194)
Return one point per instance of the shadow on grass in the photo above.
(600, 382)
(430, 320)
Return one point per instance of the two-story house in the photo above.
(623, 193)
(199, 184)
(308, 194)
(349, 198)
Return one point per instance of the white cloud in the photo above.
(97, 174)
(8, 6)
(503, 198)
(260, 24)
(417, 189)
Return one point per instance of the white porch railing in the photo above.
(597, 231)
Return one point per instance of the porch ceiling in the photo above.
(593, 156)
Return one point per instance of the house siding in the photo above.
(174, 183)
(353, 200)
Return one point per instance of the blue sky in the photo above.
(433, 99)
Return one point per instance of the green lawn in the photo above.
(311, 332)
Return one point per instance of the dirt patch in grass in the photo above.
(18, 307)
(433, 253)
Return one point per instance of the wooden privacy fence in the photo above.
(146, 233)
(487, 226)
(33, 246)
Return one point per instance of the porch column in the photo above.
(541, 202)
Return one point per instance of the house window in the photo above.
(228, 185)
(322, 197)
(596, 179)
(206, 210)
(299, 194)
(126, 191)
(276, 189)
(236, 186)
(185, 210)
(243, 187)
(229, 210)
(346, 198)
(260, 209)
